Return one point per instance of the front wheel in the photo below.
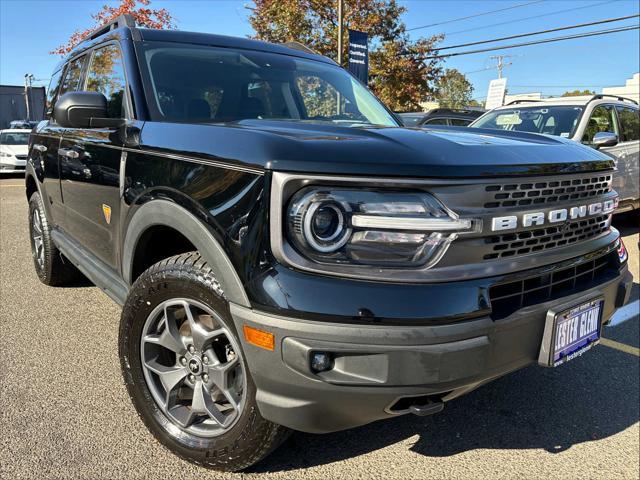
(185, 371)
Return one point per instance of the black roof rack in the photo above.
(600, 96)
(121, 21)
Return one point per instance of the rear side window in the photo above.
(106, 75)
(602, 120)
(629, 124)
(436, 121)
(459, 122)
(52, 91)
(73, 76)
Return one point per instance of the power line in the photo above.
(540, 32)
(475, 15)
(536, 42)
(521, 19)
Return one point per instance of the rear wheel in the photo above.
(51, 266)
(185, 371)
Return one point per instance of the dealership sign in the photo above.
(495, 95)
(359, 55)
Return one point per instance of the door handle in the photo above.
(39, 148)
(66, 152)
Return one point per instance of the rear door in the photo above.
(92, 158)
(629, 151)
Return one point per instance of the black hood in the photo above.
(378, 151)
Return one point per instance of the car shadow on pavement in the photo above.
(594, 397)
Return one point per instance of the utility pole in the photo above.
(501, 64)
(28, 80)
(340, 21)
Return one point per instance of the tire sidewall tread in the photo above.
(188, 276)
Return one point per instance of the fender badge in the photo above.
(106, 210)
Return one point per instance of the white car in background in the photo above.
(13, 150)
(606, 122)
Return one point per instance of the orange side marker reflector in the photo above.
(259, 338)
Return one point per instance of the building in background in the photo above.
(630, 90)
(13, 105)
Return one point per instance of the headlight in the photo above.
(371, 227)
(2, 154)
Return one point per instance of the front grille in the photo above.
(21, 157)
(545, 238)
(507, 298)
(535, 193)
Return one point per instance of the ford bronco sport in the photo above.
(289, 257)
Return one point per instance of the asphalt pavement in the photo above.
(64, 411)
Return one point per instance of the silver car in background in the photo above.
(608, 123)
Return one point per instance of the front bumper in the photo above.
(13, 166)
(377, 365)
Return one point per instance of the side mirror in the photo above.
(84, 110)
(605, 139)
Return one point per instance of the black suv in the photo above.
(289, 257)
(440, 116)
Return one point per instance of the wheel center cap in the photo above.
(194, 366)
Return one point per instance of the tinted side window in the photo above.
(602, 120)
(54, 84)
(73, 75)
(629, 124)
(436, 121)
(459, 122)
(106, 75)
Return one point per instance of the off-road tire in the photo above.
(55, 270)
(252, 437)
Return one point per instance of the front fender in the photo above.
(169, 214)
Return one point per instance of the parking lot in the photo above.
(64, 411)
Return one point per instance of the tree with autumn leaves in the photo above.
(139, 9)
(400, 70)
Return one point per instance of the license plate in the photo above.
(573, 332)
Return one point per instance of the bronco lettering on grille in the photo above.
(532, 219)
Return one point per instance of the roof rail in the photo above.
(121, 21)
(523, 100)
(600, 96)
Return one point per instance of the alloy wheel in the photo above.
(193, 367)
(37, 235)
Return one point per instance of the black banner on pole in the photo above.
(359, 55)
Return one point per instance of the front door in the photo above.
(627, 153)
(91, 159)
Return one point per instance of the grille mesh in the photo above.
(545, 238)
(535, 193)
(510, 297)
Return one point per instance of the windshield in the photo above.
(207, 84)
(14, 138)
(553, 120)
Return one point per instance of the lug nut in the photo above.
(205, 359)
(183, 361)
(192, 379)
(191, 349)
(205, 377)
